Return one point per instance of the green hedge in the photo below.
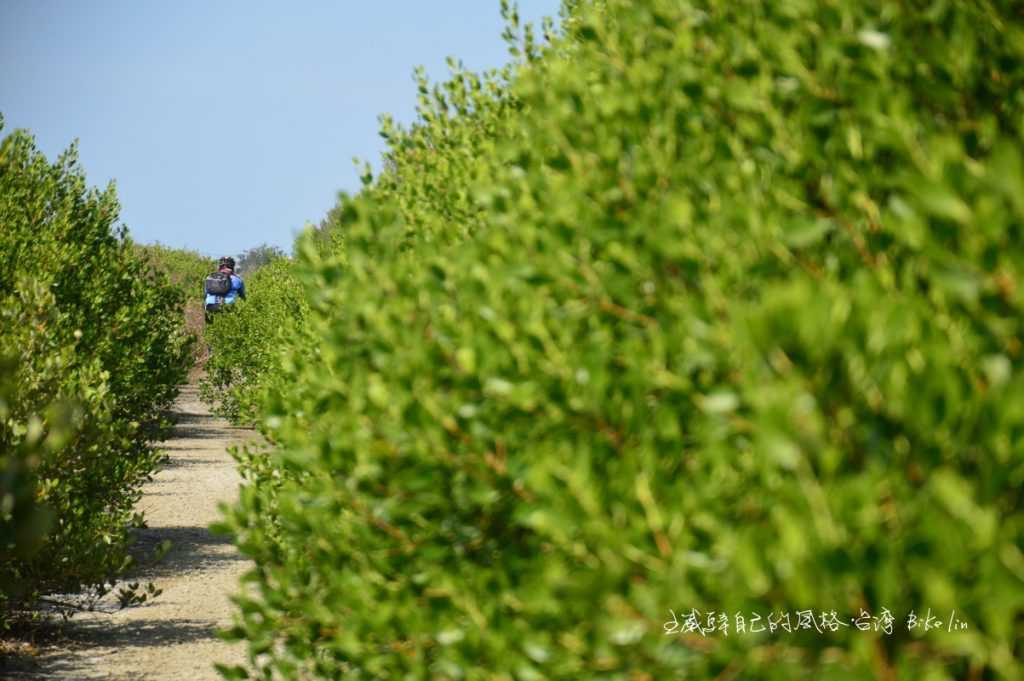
(92, 348)
(718, 306)
(184, 268)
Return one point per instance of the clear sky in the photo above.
(227, 124)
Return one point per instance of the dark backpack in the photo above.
(218, 284)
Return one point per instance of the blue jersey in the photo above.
(237, 291)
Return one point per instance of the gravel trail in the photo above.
(174, 636)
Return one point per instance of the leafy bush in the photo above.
(92, 348)
(186, 270)
(716, 307)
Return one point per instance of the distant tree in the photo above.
(256, 257)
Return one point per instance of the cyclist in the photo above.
(223, 287)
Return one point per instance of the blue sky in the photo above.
(229, 124)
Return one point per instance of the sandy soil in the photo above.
(174, 636)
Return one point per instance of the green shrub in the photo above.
(187, 271)
(717, 307)
(92, 349)
(184, 268)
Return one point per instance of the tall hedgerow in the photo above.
(186, 270)
(717, 308)
(92, 348)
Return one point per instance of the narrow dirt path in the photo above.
(174, 636)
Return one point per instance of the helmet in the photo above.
(227, 261)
